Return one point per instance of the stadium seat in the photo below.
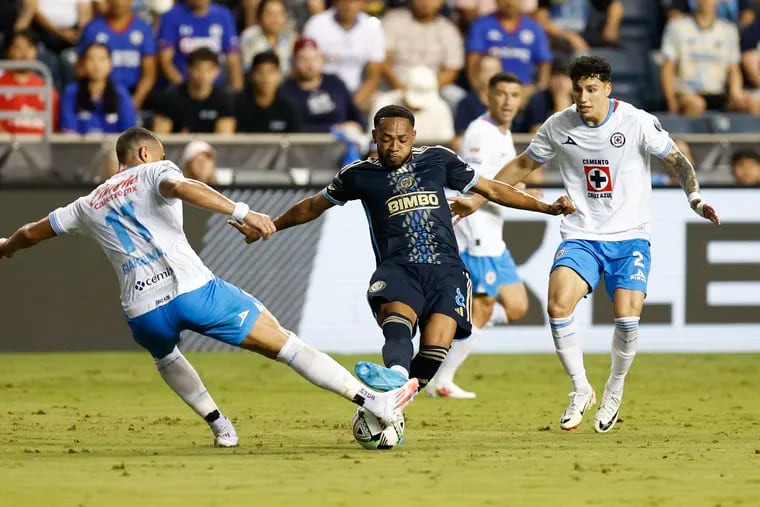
(640, 11)
(678, 124)
(732, 123)
(626, 63)
(629, 91)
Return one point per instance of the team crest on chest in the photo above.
(598, 179)
(617, 139)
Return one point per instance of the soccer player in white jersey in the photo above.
(601, 147)
(136, 218)
(487, 146)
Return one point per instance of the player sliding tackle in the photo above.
(136, 218)
(420, 279)
(601, 147)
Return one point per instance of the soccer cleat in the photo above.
(379, 377)
(573, 415)
(450, 390)
(392, 403)
(609, 410)
(224, 433)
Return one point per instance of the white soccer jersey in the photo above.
(604, 168)
(141, 233)
(487, 149)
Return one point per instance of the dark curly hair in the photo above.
(393, 111)
(588, 67)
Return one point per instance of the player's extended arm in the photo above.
(303, 211)
(26, 236)
(509, 196)
(201, 195)
(514, 172)
(687, 178)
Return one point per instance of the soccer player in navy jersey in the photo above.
(420, 279)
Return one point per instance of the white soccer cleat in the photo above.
(450, 390)
(609, 410)
(391, 404)
(573, 415)
(224, 432)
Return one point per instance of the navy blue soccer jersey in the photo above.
(409, 217)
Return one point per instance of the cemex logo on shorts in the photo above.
(155, 281)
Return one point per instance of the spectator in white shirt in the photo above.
(434, 122)
(353, 44)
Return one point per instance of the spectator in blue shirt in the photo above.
(132, 46)
(95, 103)
(323, 99)
(194, 24)
(516, 39)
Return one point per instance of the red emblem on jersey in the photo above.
(598, 178)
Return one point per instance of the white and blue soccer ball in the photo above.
(372, 434)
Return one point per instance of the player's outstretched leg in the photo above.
(624, 344)
(270, 339)
(180, 375)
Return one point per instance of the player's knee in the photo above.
(396, 326)
(516, 311)
(558, 309)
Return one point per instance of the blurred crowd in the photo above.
(283, 66)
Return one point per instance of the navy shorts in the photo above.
(427, 289)
(218, 310)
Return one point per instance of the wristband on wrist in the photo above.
(693, 197)
(240, 210)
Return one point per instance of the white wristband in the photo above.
(240, 210)
(693, 197)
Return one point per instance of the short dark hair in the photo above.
(503, 77)
(393, 111)
(744, 154)
(26, 33)
(265, 57)
(203, 54)
(130, 140)
(589, 67)
(264, 3)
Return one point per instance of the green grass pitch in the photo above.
(103, 430)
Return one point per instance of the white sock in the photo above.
(458, 352)
(569, 350)
(624, 343)
(323, 371)
(400, 369)
(498, 315)
(180, 375)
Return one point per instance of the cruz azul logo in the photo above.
(598, 178)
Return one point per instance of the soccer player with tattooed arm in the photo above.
(601, 147)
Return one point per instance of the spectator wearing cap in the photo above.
(517, 40)
(420, 35)
(261, 107)
(22, 47)
(197, 105)
(132, 45)
(545, 103)
(194, 24)
(433, 120)
(199, 162)
(745, 167)
(353, 44)
(274, 32)
(322, 99)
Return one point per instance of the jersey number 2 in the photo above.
(113, 220)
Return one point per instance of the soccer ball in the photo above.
(371, 434)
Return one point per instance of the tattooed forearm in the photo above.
(687, 177)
